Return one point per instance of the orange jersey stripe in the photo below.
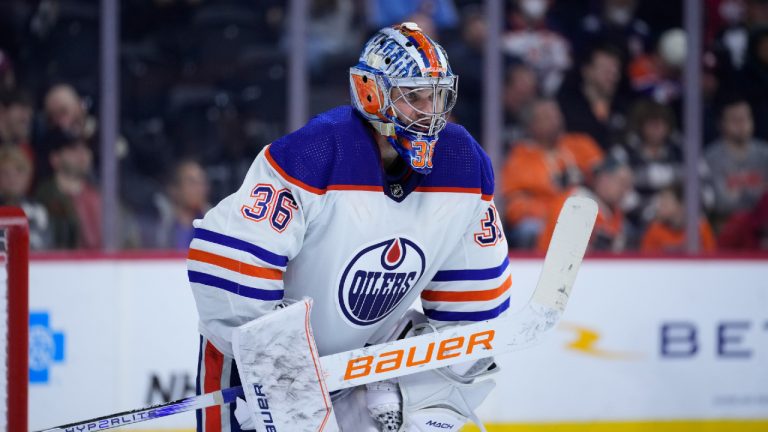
(460, 296)
(448, 189)
(292, 180)
(486, 197)
(355, 187)
(234, 265)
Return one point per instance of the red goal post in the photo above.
(14, 318)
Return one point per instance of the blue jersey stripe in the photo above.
(474, 274)
(467, 316)
(235, 288)
(231, 242)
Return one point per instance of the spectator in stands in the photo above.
(538, 169)
(582, 150)
(739, 53)
(653, 152)
(611, 183)
(534, 42)
(15, 180)
(7, 75)
(615, 21)
(747, 230)
(520, 90)
(666, 234)
(73, 203)
(16, 121)
(186, 198)
(726, 43)
(738, 161)
(755, 82)
(65, 110)
(466, 58)
(730, 37)
(656, 75)
(331, 33)
(592, 105)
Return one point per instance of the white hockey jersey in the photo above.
(317, 216)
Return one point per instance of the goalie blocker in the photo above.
(274, 406)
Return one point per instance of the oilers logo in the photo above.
(377, 278)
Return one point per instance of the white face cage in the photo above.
(430, 100)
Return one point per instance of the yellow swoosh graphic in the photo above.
(586, 341)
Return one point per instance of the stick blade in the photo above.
(565, 253)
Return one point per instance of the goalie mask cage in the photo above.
(14, 318)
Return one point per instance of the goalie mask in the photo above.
(405, 88)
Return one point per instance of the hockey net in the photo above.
(14, 318)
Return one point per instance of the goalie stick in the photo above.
(433, 350)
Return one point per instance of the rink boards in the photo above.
(644, 345)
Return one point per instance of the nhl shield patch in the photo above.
(377, 278)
